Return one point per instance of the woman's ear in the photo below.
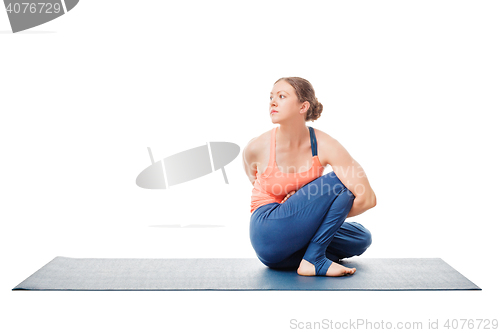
(305, 106)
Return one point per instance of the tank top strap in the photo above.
(314, 147)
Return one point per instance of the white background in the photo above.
(410, 88)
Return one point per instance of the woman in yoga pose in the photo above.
(297, 213)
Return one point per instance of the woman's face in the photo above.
(284, 103)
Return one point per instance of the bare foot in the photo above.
(307, 269)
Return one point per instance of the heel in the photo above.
(315, 254)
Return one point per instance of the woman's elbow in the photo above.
(367, 200)
(373, 200)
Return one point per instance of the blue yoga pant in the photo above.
(308, 225)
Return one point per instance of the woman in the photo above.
(297, 214)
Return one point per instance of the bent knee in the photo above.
(366, 241)
(363, 239)
(329, 181)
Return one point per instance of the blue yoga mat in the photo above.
(64, 273)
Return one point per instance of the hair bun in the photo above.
(315, 111)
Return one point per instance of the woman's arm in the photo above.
(359, 207)
(350, 173)
(249, 160)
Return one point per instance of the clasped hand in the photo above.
(289, 195)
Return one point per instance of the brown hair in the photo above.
(305, 92)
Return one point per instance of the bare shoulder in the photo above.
(324, 137)
(329, 148)
(256, 155)
(256, 144)
(257, 148)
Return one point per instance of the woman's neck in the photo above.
(292, 136)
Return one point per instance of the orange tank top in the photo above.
(273, 185)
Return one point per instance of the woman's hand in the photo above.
(288, 196)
